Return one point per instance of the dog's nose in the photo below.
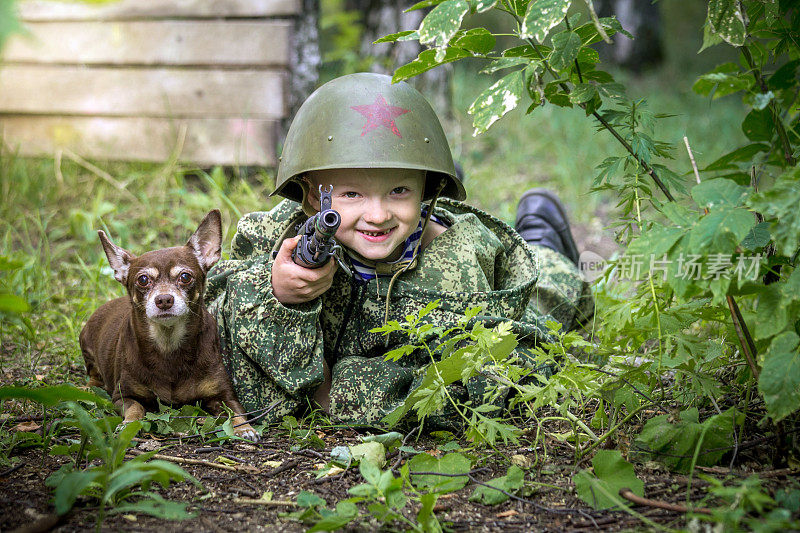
(164, 301)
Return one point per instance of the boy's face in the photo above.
(380, 207)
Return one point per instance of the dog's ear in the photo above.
(119, 259)
(206, 242)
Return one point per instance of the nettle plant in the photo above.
(712, 293)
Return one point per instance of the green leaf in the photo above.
(709, 37)
(480, 6)
(396, 36)
(612, 473)
(519, 6)
(50, 396)
(425, 516)
(496, 101)
(656, 242)
(720, 230)
(565, 49)
(426, 61)
(71, 486)
(11, 303)
(582, 93)
(476, 40)
(389, 439)
(451, 463)
(757, 237)
(719, 84)
(785, 77)
(611, 90)
(779, 204)
(779, 381)
(156, 505)
(369, 452)
(504, 62)
(442, 23)
(675, 444)
(511, 482)
(758, 125)
(309, 499)
(424, 5)
(345, 513)
(542, 16)
(726, 20)
(745, 153)
(399, 353)
(719, 192)
(770, 318)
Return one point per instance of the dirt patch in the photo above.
(272, 465)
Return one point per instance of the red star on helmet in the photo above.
(380, 114)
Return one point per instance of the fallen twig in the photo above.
(268, 503)
(188, 461)
(282, 468)
(647, 502)
(12, 469)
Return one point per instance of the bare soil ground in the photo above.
(276, 464)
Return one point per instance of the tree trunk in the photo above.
(642, 19)
(384, 17)
(304, 58)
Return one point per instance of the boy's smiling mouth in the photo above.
(376, 236)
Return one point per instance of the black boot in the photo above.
(542, 220)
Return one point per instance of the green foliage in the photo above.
(611, 473)
(114, 482)
(687, 442)
(510, 483)
(744, 505)
(742, 212)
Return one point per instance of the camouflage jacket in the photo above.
(275, 352)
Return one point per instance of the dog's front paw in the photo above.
(246, 431)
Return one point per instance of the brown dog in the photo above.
(160, 342)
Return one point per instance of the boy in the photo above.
(289, 333)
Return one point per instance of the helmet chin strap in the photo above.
(401, 266)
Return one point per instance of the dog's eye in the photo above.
(185, 278)
(143, 280)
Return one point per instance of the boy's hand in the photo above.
(294, 284)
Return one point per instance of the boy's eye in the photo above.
(351, 194)
(399, 190)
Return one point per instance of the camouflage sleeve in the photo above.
(264, 342)
(284, 342)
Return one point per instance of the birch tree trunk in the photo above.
(643, 20)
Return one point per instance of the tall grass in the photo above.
(49, 219)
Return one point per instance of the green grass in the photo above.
(49, 220)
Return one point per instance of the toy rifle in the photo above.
(317, 243)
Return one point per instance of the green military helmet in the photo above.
(365, 121)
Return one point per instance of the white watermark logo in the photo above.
(591, 265)
(695, 267)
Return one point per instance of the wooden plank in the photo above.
(41, 10)
(167, 42)
(207, 141)
(153, 92)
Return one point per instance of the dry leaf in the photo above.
(333, 471)
(26, 426)
(506, 514)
